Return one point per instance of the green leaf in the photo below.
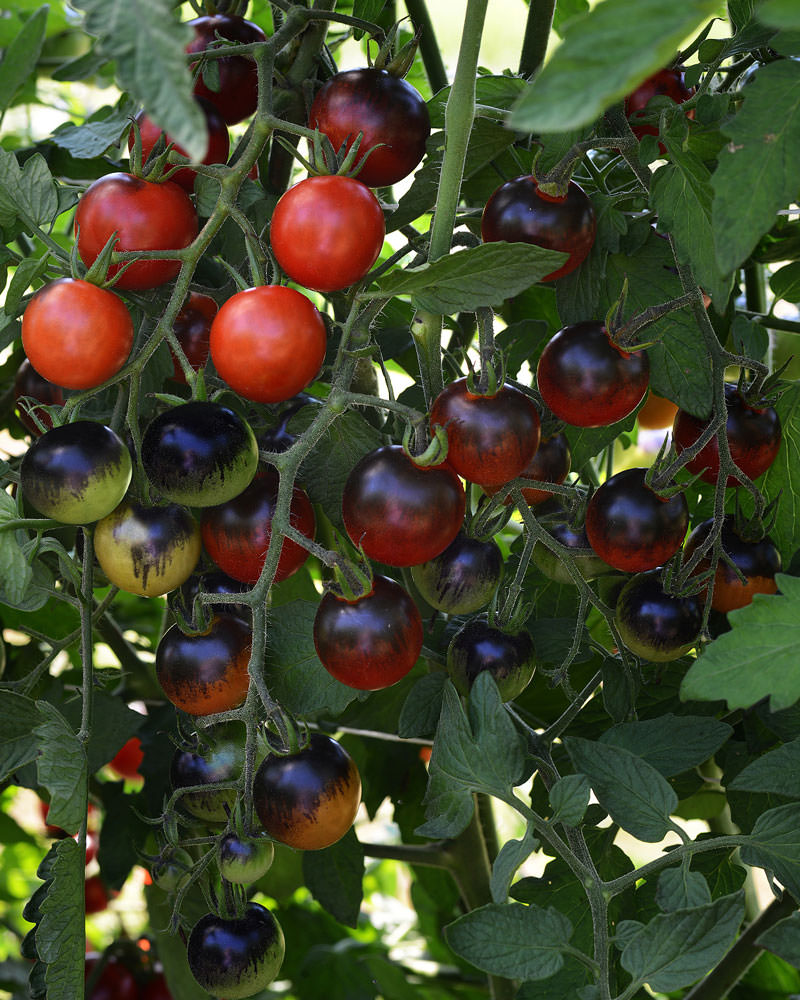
(569, 798)
(511, 940)
(759, 159)
(28, 192)
(670, 743)
(757, 658)
(512, 854)
(780, 13)
(335, 876)
(147, 43)
(750, 339)
(777, 771)
(601, 60)
(565, 11)
(785, 282)
(103, 130)
(59, 932)
(680, 888)
(774, 844)
(121, 835)
(480, 276)
(675, 949)
(367, 10)
(632, 792)
(782, 478)
(422, 707)
(61, 768)
(19, 717)
(20, 58)
(783, 939)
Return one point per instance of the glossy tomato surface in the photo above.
(76, 334)
(115, 981)
(327, 231)
(653, 624)
(665, 83)
(145, 216)
(76, 473)
(754, 438)
(243, 860)
(550, 464)
(631, 527)
(30, 384)
(518, 213)
(308, 799)
(236, 97)
(588, 381)
(463, 578)
(581, 554)
(221, 761)
(389, 112)
(372, 642)
(205, 673)
(199, 454)
(192, 327)
(268, 342)
(399, 512)
(478, 647)
(127, 759)
(490, 439)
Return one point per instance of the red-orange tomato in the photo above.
(96, 893)
(76, 334)
(550, 464)
(126, 761)
(192, 327)
(657, 412)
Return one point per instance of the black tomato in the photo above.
(518, 212)
(463, 578)
(631, 527)
(371, 642)
(550, 464)
(490, 439)
(389, 112)
(583, 557)
(214, 582)
(478, 647)
(221, 761)
(28, 382)
(199, 454)
(236, 957)
(237, 95)
(243, 860)
(588, 381)
(308, 799)
(654, 625)
(754, 437)
(399, 512)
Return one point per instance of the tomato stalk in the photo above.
(428, 46)
(537, 33)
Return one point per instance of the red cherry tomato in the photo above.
(97, 895)
(28, 382)
(237, 96)
(490, 439)
(326, 232)
(665, 83)
(268, 343)
(126, 761)
(550, 464)
(76, 334)
(156, 989)
(145, 216)
(518, 212)
(389, 112)
(115, 982)
(192, 327)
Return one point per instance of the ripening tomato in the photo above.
(115, 982)
(192, 327)
(236, 97)
(243, 860)
(667, 82)
(463, 578)
(550, 464)
(96, 895)
(653, 624)
(30, 384)
(657, 412)
(582, 556)
(219, 759)
(478, 647)
(127, 760)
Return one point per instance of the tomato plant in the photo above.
(550, 464)
(667, 82)
(479, 647)
(235, 90)
(582, 556)
(656, 625)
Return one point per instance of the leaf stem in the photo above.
(537, 34)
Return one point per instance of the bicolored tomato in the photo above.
(653, 624)
(582, 556)
(236, 97)
(221, 761)
(479, 647)
(463, 578)
(550, 464)
(243, 860)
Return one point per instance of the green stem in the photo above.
(428, 46)
(618, 885)
(427, 855)
(773, 322)
(537, 33)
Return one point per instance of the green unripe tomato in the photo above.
(244, 860)
(463, 578)
(169, 872)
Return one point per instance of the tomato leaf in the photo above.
(569, 798)
(335, 876)
(19, 717)
(777, 771)
(670, 743)
(512, 854)
(27, 192)
(774, 844)
(757, 658)
(779, 13)
(61, 768)
(601, 60)
(783, 939)
(102, 130)
(681, 889)
(20, 58)
(782, 478)
(422, 707)
(59, 931)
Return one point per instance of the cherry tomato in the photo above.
(116, 982)
(583, 557)
(243, 860)
(216, 151)
(145, 216)
(236, 957)
(518, 212)
(588, 381)
(96, 895)
(665, 83)
(76, 473)
(199, 454)
(758, 561)
(461, 579)
(490, 439)
(654, 625)
(206, 673)
(214, 582)
(193, 328)
(236, 534)
(371, 642)
(237, 96)
(631, 527)
(171, 868)
(268, 342)
(92, 820)
(147, 550)
(656, 413)
(550, 464)
(127, 760)
(327, 231)
(308, 799)
(478, 647)
(389, 112)
(28, 382)
(222, 761)
(754, 437)
(156, 989)
(399, 512)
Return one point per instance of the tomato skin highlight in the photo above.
(309, 799)
(268, 342)
(630, 527)
(372, 642)
(653, 624)
(326, 232)
(517, 213)
(463, 578)
(478, 647)
(588, 381)
(28, 382)
(237, 97)
(75, 334)
(399, 512)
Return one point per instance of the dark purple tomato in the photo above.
(463, 578)
(478, 647)
(243, 860)
(389, 112)
(654, 625)
(193, 328)
(490, 439)
(631, 527)
(399, 512)
(237, 96)
(221, 761)
(115, 982)
(518, 212)
(588, 381)
(309, 799)
(28, 382)
(754, 437)
(214, 582)
(550, 464)
(371, 642)
(238, 956)
(583, 557)
(665, 83)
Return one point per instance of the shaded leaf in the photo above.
(783, 939)
(61, 768)
(27, 191)
(334, 877)
(569, 798)
(774, 844)
(782, 478)
(512, 854)
(680, 888)
(21, 56)
(671, 743)
(19, 744)
(777, 771)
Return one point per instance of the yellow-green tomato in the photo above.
(244, 860)
(148, 550)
